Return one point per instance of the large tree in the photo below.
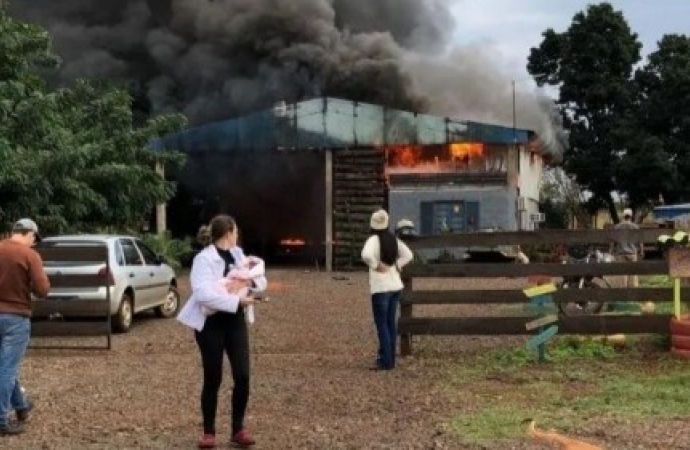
(657, 137)
(591, 63)
(72, 158)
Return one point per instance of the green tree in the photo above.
(72, 158)
(591, 63)
(657, 135)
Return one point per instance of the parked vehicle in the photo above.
(139, 279)
(581, 254)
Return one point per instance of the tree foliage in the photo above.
(592, 64)
(657, 162)
(71, 158)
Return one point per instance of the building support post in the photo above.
(161, 225)
(329, 210)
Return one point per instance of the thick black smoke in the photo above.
(212, 59)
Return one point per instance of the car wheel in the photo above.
(171, 305)
(122, 320)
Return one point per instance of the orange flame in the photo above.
(466, 150)
(405, 155)
(293, 242)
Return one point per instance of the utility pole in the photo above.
(514, 117)
(516, 155)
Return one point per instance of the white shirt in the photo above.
(390, 280)
(207, 292)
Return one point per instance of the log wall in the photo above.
(359, 188)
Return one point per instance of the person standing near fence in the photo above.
(625, 249)
(21, 274)
(385, 255)
(224, 330)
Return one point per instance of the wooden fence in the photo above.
(409, 325)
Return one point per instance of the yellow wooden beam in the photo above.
(540, 290)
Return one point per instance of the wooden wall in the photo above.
(359, 188)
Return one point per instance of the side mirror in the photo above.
(160, 259)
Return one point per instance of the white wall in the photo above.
(529, 182)
(529, 177)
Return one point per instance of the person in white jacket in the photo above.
(224, 331)
(385, 255)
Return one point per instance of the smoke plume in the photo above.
(466, 82)
(212, 59)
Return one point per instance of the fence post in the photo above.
(406, 312)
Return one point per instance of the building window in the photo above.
(449, 217)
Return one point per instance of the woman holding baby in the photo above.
(216, 312)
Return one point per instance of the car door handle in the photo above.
(151, 274)
(131, 275)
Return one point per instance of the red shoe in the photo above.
(207, 441)
(243, 439)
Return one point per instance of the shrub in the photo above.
(175, 251)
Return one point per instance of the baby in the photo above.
(250, 268)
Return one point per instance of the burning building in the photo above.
(302, 179)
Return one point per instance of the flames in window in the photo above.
(293, 242)
(466, 150)
(455, 157)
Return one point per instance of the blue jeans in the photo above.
(385, 308)
(15, 332)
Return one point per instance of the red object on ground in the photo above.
(680, 337)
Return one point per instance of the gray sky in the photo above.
(509, 28)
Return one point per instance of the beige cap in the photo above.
(627, 212)
(379, 220)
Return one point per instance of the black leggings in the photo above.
(224, 332)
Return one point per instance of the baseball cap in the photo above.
(627, 212)
(27, 225)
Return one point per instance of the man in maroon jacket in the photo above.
(21, 274)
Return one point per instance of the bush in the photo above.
(175, 251)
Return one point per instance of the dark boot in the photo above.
(11, 429)
(23, 414)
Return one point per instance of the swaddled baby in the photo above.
(249, 269)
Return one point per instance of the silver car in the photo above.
(140, 280)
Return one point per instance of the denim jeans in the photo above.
(14, 339)
(385, 308)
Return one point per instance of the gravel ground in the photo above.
(312, 345)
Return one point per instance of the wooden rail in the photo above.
(509, 270)
(505, 296)
(515, 325)
(643, 235)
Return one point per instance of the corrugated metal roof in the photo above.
(671, 212)
(333, 123)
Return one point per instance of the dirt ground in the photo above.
(312, 345)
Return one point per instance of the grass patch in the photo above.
(633, 396)
(502, 389)
(656, 281)
(490, 425)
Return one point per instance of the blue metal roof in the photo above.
(670, 212)
(333, 123)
